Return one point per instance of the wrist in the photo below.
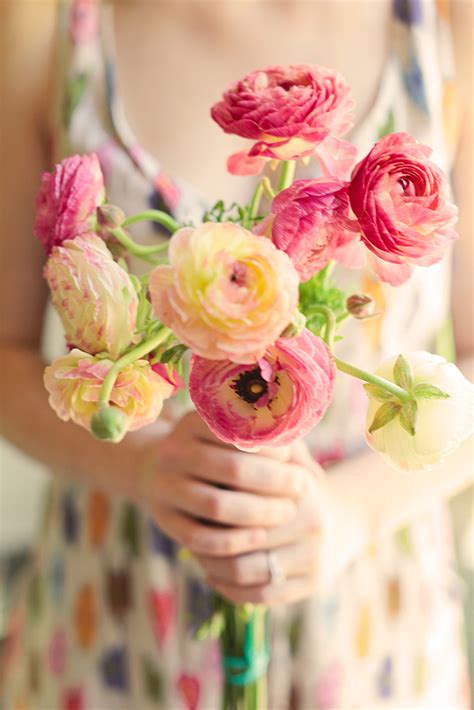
(345, 530)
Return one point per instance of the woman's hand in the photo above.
(295, 546)
(218, 501)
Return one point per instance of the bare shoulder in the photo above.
(26, 57)
(27, 50)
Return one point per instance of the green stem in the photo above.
(342, 317)
(287, 172)
(153, 216)
(391, 387)
(140, 250)
(330, 329)
(267, 188)
(145, 347)
(255, 203)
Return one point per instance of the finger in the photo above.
(299, 528)
(224, 506)
(253, 568)
(247, 472)
(206, 539)
(270, 595)
(197, 428)
(301, 455)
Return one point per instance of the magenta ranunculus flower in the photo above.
(310, 222)
(271, 403)
(94, 297)
(401, 200)
(289, 112)
(67, 200)
(227, 294)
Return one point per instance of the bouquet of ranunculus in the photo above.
(248, 292)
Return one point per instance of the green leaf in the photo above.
(426, 391)
(316, 293)
(173, 355)
(378, 393)
(384, 415)
(403, 373)
(408, 417)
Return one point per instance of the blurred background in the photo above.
(23, 484)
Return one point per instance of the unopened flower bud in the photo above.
(360, 306)
(294, 328)
(109, 423)
(110, 216)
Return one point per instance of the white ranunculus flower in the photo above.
(442, 424)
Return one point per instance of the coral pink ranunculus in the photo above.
(289, 112)
(74, 383)
(271, 403)
(310, 222)
(401, 201)
(67, 200)
(94, 297)
(227, 294)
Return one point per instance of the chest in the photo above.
(175, 59)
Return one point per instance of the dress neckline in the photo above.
(145, 159)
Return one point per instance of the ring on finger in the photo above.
(274, 568)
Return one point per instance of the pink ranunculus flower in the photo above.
(74, 383)
(270, 403)
(94, 297)
(67, 200)
(227, 294)
(310, 222)
(401, 200)
(169, 374)
(289, 112)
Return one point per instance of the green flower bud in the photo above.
(360, 306)
(110, 424)
(110, 216)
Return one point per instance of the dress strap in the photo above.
(423, 47)
(89, 111)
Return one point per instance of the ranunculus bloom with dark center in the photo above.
(401, 200)
(271, 403)
(289, 112)
(67, 200)
(310, 222)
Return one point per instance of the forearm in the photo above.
(29, 423)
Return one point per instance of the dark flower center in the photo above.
(250, 386)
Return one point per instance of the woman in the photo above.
(109, 607)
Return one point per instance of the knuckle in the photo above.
(192, 538)
(213, 506)
(168, 450)
(227, 545)
(238, 570)
(235, 470)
